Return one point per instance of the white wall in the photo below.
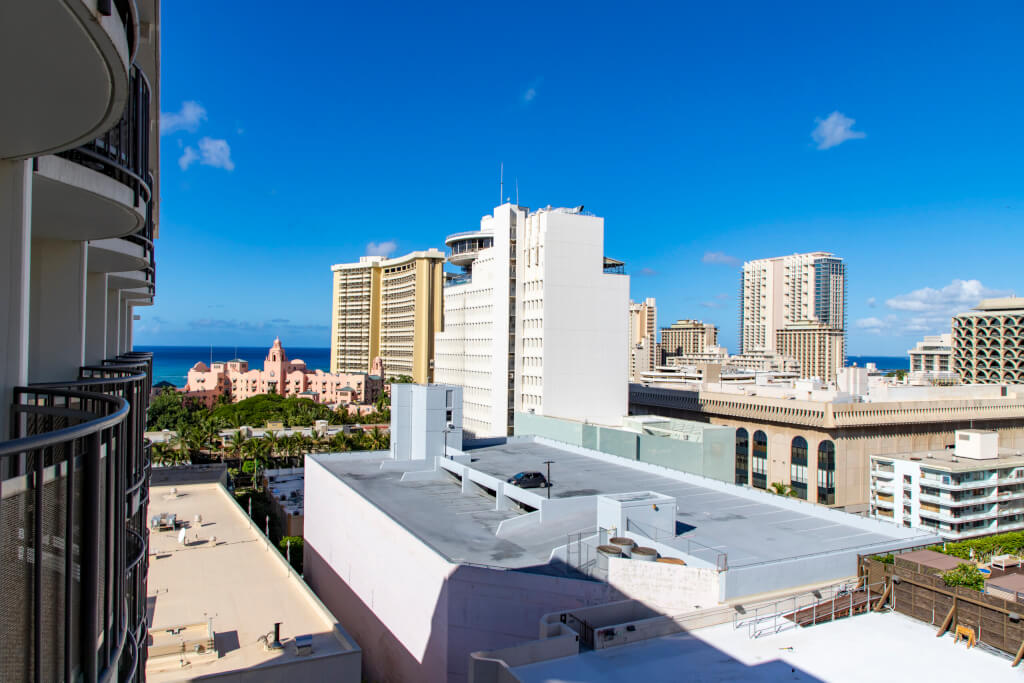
(670, 589)
(419, 420)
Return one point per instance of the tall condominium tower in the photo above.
(781, 291)
(686, 337)
(643, 330)
(79, 194)
(388, 309)
(536, 321)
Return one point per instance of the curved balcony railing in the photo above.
(126, 11)
(73, 537)
(122, 153)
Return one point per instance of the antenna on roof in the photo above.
(517, 190)
(501, 184)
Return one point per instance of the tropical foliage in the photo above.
(780, 489)
(966, 575)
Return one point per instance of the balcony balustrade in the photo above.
(74, 483)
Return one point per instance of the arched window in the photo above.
(742, 456)
(798, 467)
(759, 460)
(827, 473)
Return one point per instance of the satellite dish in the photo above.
(181, 537)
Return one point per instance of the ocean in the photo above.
(172, 363)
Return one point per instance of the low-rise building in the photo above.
(931, 361)
(281, 376)
(433, 560)
(206, 623)
(285, 488)
(974, 488)
(818, 439)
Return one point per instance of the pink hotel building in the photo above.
(282, 376)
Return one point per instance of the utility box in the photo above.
(424, 418)
(646, 513)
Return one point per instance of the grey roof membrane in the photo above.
(462, 527)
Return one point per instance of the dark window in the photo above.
(759, 461)
(798, 467)
(742, 456)
(827, 473)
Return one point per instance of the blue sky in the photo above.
(886, 133)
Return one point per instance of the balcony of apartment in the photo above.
(95, 40)
(948, 515)
(102, 189)
(75, 476)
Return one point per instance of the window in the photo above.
(827, 473)
(742, 456)
(759, 461)
(798, 467)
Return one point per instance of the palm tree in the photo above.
(273, 442)
(177, 445)
(377, 439)
(236, 442)
(780, 489)
(338, 443)
(161, 453)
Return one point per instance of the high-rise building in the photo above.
(536, 321)
(388, 309)
(685, 337)
(817, 347)
(643, 330)
(988, 342)
(79, 192)
(775, 292)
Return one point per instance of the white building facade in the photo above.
(426, 420)
(973, 489)
(931, 360)
(536, 322)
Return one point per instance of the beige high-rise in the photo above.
(780, 291)
(388, 309)
(819, 348)
(686, 337)
(643, 330)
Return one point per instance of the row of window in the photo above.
(752, 465)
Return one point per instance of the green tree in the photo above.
(966, 575)
(235, 443)
(295, 551)
(377, 440)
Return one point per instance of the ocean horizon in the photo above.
(172, 363)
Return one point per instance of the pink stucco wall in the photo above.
(282, 376)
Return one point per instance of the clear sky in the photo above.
(706, 134)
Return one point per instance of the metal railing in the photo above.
(683, 544)
(811, 608)
(122, 153)
(73, 538)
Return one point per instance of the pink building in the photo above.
(282, 376)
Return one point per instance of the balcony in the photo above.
(75, 476)
(96, 40)
(101, 189)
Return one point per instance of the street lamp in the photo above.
(449, 427)
(548, 463)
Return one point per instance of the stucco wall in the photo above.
(668, 588)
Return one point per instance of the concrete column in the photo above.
(95, 318)
(15, 263)
(113, 322)
(126, 325)
(56, 331)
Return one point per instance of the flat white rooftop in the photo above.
(240, 583)
(870, 647)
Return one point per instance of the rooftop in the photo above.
(198, 581)
(875, 646)
(749, 526)
(947, 459)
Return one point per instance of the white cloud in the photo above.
(927, 310)
(188, 118)
(835, 130)
(187, 157)
(719, 258)
(872, 302)
(216, 153)
(380, 248)
(531, 92)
